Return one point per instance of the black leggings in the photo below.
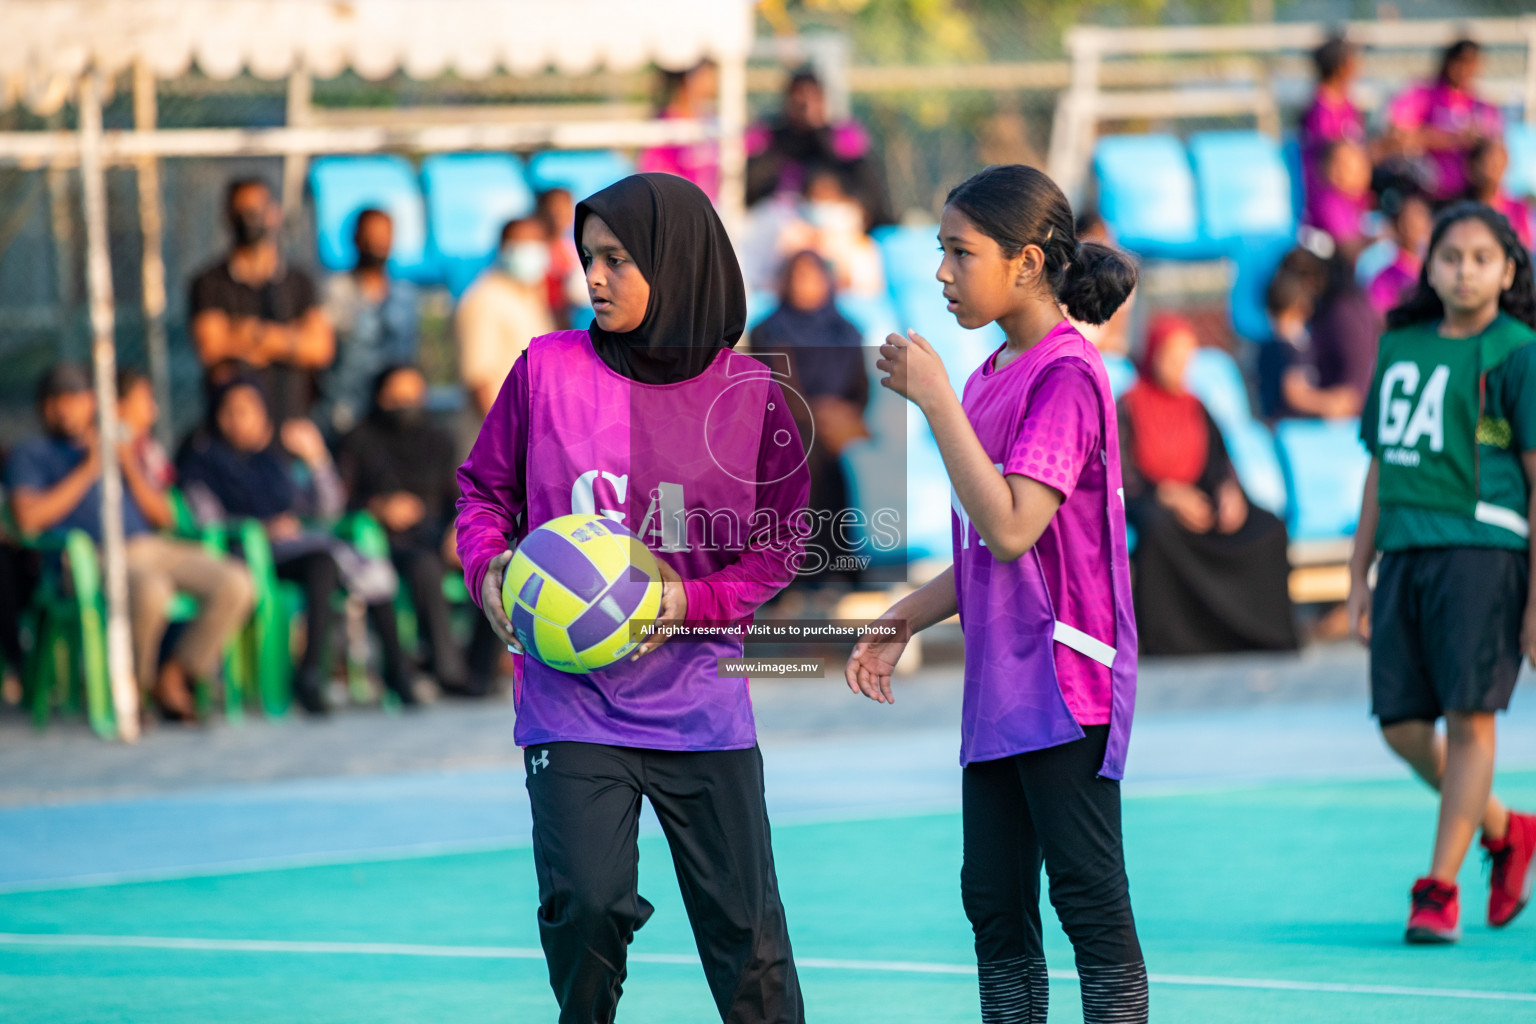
(1049, 806)
(586, 814)
(320, 577)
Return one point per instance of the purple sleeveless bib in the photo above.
(676, 464)
(1013, 702)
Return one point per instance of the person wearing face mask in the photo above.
(377, 322)
(503, 310)
(825, 219)
(253, 307)
(399, 465)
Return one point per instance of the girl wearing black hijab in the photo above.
(648, 419)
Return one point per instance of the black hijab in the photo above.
(698, 302)
(254, 484)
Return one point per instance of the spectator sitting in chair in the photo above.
(253, 307)
(377, 320)
(55, 484)
(1211, 571)
(242, 467)
(1287, 376)
(1411, 219)
(400, 466)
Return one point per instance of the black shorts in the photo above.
(1445, 631)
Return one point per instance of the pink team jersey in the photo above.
(1043, 415)
(708, 472)
(1437, 105)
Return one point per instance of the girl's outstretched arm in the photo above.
(872, 661)
(1359, 604)
(1009, 513)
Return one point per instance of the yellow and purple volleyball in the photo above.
(572, 588)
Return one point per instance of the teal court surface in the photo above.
(1270, 851)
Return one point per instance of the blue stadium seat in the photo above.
(1122, 372)
(759, 305)
(1373, 259)
(1252, 448)
(1325, 465)
(1290, 153)
(1520, 178)
(1254, 265)
(469, 197)
(930, 532)
(874, 316)
(1244, 187)
(582, 171)
(1147, 196)
(344, 185)
(1213, 377)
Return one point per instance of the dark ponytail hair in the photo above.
(1016, 206)
(1518, 300)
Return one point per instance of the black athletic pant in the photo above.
(586, 814)
(1051, 806)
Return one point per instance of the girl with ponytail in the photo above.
(1041, 582)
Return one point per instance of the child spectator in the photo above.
(1411, 223)
(1287, 377)
(1342, 196)
(1332, 117)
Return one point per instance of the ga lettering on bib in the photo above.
(1429, 400)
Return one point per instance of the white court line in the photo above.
(688, 959)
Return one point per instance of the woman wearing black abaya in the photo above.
(1211, 571)
(826, 366)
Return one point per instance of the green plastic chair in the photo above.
(368, 535)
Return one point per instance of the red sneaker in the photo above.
(1436, 913)
(1514, 869)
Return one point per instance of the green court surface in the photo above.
(1280, 903)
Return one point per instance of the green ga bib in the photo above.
(1429, 393)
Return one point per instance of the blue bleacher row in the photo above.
(1233, 194)
(448, 216)
(1308, 472)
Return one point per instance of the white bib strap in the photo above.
(1084, 644)
(1498, 515)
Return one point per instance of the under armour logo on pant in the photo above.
(542, 761)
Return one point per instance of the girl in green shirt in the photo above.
(1451, 425)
